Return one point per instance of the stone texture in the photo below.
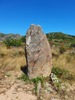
(38, 53)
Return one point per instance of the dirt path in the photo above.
(13, 89)
(17, 93)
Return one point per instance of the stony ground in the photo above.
(12, 88)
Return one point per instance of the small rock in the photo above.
(50, 90)
(6, 76)
(38, 88)
(29, 92)
(54, 78)
(55, 99)
(66, 97)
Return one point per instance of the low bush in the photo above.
(25, 78)
(23, 39)
(13, 42)
(62, 73)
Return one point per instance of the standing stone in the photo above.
(38, 53)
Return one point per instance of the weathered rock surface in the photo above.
(38, 53)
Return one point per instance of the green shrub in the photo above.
(23, 39)
(57, 71)
(13, 42)
(25, 78)
(36, 81)
(62, 73)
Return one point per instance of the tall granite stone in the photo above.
(38, 53)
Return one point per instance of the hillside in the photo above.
(6, 36)
(55, 38)
(59, 38)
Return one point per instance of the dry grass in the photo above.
(65, 61)
(12, 58)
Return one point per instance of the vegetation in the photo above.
(13, 42)
(11, 59)
(62, 73)
(63, 58)
(63, 51)
(25, 78)
(36, 81)
(61, 39)
(23, 39)
(2, 35)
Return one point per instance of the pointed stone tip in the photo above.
(32, 25)
(35, 25)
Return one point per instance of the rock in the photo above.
(55, 99)
(38, 53)
(66, 97)
(38, 88)
(48, 87)
(55, 79)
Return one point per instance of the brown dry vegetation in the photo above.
(12, 58)
(65, 60)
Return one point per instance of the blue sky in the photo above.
(53, 15)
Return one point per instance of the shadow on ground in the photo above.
(24, 69)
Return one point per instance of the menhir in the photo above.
(38, 53)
